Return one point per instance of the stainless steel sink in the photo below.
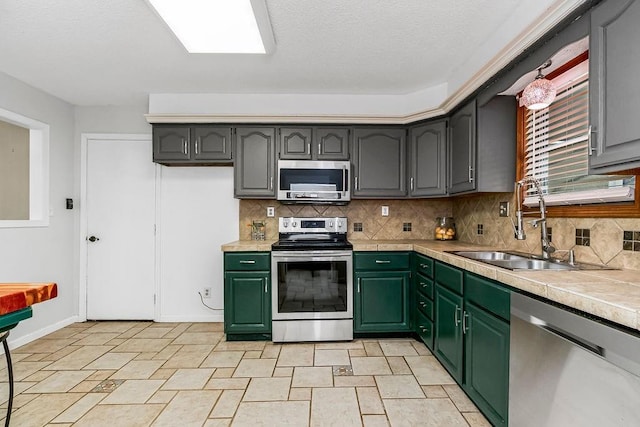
(524, 261)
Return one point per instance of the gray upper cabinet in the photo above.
(427, 159)
(254, 171)
(614, 94)
(211, 143)
(192, 145)
(482, 147)
(295, 143)
(462, 146)
(379, 163)
(331, 143)
(318, 143)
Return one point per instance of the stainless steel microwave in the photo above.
(310, 181)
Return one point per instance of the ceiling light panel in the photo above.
(212, 26)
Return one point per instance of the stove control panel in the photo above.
(312, 225)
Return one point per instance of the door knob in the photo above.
(92, 238)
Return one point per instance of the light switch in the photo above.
(271, 212)
(385, 211)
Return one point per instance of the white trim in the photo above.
(26, 339)
(218, 317)
(605, 195)
(82, 245)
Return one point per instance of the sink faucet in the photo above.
(518, 226)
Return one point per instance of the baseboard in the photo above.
(191, 318)
(26, 339)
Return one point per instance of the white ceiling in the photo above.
(117, 52)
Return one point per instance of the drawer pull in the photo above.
(249, 261)
(423, 265)
(424, 285)
(423, 329)
(385, 261)
(423, 304)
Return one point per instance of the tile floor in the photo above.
(186, 374)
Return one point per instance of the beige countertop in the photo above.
(611, 294)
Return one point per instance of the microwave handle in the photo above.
(345, 179)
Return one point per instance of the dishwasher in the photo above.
(566, 369)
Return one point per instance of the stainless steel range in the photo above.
(312, 281)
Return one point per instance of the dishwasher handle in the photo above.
(605, 340)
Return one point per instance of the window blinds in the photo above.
(556, 150)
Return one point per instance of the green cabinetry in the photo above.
(247, 294)
(471, 324)
(486, 346)
(423, 301)
(381, 297)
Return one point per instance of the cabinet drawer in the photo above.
(424, 328)
(247, 261)
(425, 305)
(449, 277)
(424, 285)
(487, 294)
(424, 265)
(381, 260)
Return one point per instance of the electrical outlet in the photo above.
(271, 212)
(206, 293)
(504, 209)
(385, 211)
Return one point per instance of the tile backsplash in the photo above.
(594, 240)
(408, 219)
(611, 241)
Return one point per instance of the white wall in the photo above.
(44, 254)
(197, 215)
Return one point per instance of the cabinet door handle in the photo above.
(383, 261)
(184, 146)
(358, 285)
(411, 185)
(247, 261)
(456, 316)
(470, 173)
(590, 141)
(465, 323)
(266, 282)
(356, 183)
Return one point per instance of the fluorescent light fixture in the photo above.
(218, 26)
(605, 195)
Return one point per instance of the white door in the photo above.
(120, 217)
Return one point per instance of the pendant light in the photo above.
(540, 93)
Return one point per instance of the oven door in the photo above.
(312, 285)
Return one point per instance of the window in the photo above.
(555, 144)
(24, 190)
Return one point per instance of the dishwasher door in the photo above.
(568, 370)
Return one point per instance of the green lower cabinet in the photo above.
(381, 301)
(448, 344)
(487, 363)
(247, 302)
(424, 329)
